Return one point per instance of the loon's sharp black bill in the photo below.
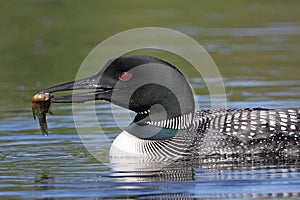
(82, 97)
(101, 91)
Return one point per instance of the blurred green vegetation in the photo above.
(43, 42)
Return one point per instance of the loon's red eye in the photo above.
(125, 76)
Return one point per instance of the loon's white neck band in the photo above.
(178, 123)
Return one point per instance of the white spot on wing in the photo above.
(283, 128)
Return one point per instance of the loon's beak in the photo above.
(97, 91)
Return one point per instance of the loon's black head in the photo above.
(142, 84)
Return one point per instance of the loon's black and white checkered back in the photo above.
(236, 131)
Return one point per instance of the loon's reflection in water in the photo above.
(236, 177)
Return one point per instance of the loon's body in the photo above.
(166, 124)
(222, 132)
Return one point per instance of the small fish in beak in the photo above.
(40, 108)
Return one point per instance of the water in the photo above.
(59, 166)
(255, 46)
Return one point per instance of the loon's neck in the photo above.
(181, 122)
(148, 127)
(159, 138)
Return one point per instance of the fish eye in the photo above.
(125, 76)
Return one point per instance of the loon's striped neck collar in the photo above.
(147, 127)
(181, 122)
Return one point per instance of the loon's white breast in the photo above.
(127, 145)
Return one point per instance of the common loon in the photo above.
(166, 124)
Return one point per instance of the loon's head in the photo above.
(154, 89)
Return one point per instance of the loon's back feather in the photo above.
(247, 131)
